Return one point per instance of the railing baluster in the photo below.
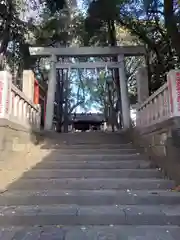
(23, 110)
(155, 108)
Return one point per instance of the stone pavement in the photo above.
(93, 186)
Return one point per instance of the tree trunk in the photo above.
(105, 111)
(6, 32)
(66, 115)
(172, 25)
(112, 120)
(147, 57)
(60, 99)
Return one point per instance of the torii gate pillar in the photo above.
(51, 94)
(124, 94)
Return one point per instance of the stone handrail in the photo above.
(15, 106)
(161, 105)
(23, 110)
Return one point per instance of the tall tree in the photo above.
(13, 37)
(101, 19)
(54, 31)
(151, 22)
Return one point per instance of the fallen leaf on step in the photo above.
(59, 226)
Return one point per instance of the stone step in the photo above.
(93, 146)
(99, 151)
(58, 156)
(94, 141)
(91, 233)
(93, 173)
(99, 141)
(90, 215)
(87, 138)
(93, 184)
(89, 197)
(136, 164)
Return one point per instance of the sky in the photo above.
(33, 13)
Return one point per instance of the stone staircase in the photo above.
(92, 186)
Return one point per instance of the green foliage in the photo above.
(51, 32)
(54, 5)
(102, 15)
(13, 37)
(11, 27)
(152, 29)
(154, 23)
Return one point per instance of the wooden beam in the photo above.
(88, 51)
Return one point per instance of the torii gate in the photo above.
(119, 52)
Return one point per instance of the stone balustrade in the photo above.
(15, 106)
(157, 130)
(156, 108)
(161, 105)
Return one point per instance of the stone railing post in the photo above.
(142, 84)
(173, 79)
(5, 93)
(28, 84)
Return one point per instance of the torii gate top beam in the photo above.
(88, 51)
(88, 65)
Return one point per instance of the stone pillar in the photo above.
(142, 84)
(51, 94)
(5, 93)
(124, 94)
(28, 84)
